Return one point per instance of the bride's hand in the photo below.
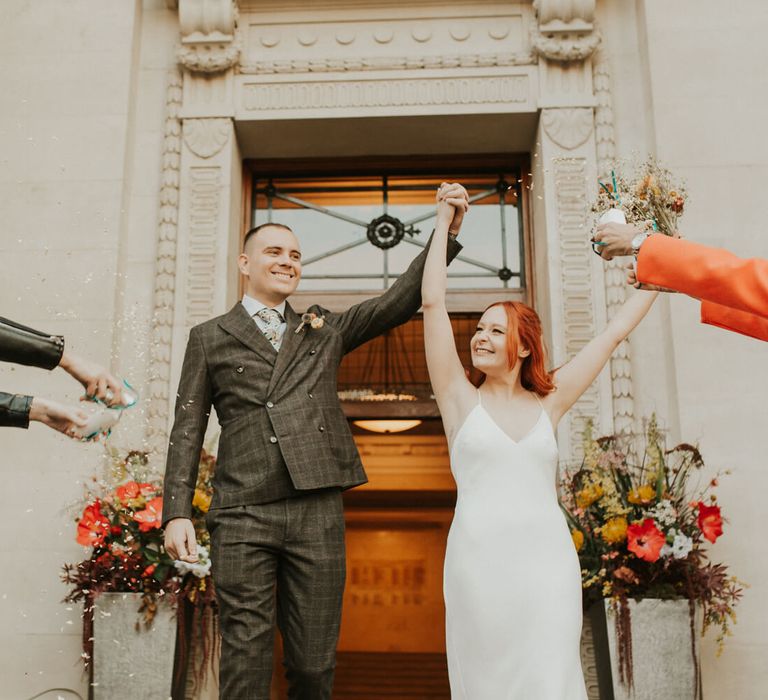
(452, 204)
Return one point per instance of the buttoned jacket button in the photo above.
(270, 404)
(311, 396)
(312, 352)
(321, 429)
(239, 370)
(273, 439)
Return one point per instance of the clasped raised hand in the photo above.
(452, 203)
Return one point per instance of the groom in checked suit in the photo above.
(285, 454)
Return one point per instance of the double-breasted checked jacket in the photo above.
(283, 430)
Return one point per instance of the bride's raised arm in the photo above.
(452, 390)
(574, 377)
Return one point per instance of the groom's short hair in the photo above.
(252, 232)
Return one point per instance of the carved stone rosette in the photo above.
(165, 271)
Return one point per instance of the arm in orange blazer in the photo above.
(733, 291)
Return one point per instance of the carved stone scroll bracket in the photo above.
(565, 30)
(208, 29)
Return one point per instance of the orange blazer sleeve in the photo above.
(734, 320)
(734, 291)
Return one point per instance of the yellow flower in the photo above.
(201, 500)
(588, 495)
(615, 530)
(643, 495)
(578, 539)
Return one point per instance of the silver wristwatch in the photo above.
(637, 240)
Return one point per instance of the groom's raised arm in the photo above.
(193, 406)
(364, 321)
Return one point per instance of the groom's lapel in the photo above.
(289, 346)
(240, 325)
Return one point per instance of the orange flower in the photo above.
(201, 500)
(642, 496)
(149, 570)
(710, 521)
(93, 526)
(645, 540)
(588, 495)
(624, 573)
(615, 530)
(151, 517)
(578, 539)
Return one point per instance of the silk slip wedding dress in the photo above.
(512, 580)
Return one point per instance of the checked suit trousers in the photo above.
(282, 560)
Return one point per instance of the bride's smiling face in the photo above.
(489, 343)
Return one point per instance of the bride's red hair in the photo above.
(524, 327)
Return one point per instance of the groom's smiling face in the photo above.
(271, 260)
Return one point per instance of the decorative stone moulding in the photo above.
(208, 35)
(565, 31)
(208, 59)
(377, 63)
(165, 270)
(386, 42)
(206, 137)
(568, 128)
(486, 90)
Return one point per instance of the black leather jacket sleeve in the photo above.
(14, 410)
(26, 346)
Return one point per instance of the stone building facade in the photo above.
(125, 126)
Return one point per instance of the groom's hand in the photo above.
(180, 540)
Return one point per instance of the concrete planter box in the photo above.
(665, 660)
(130, 664)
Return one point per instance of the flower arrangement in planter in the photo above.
(121, 524)
(640, 518)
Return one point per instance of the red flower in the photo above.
(130, 490)
(116, 530)
(152, 516)
(150, 570)
(93, 526)
(710, 521)
(645, 540)
(127, 491)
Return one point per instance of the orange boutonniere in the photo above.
(313, 320)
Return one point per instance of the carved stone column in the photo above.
(565, 172)
(200, 197)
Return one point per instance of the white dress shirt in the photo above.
(253, 306)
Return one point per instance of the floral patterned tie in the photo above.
(272, 320)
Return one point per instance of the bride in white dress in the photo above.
(512, 580)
